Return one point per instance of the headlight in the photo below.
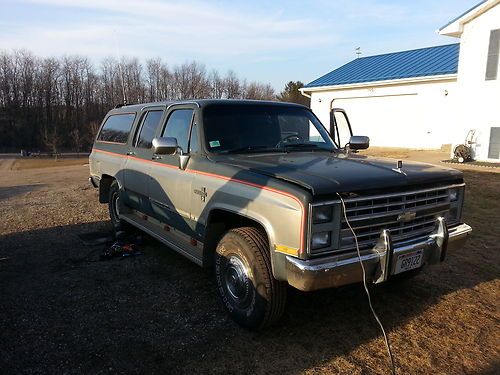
(322, 214)
(453, 194)
(320, 240)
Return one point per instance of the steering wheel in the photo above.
(290, 136)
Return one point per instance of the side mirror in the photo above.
(165, 146)
(359, 142)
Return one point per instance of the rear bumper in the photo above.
(94, 181)
(344, 269)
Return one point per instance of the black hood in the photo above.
(325, 173)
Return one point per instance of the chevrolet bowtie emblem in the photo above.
(407, 216)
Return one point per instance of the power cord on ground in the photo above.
(386, 338)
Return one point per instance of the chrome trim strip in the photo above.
(459, 230)
(310, 266)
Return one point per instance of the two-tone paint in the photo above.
(175, 198)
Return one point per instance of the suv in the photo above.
(261, 192)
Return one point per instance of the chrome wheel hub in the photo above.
(237, 280)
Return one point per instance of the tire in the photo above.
(114, 207)
(249, 292)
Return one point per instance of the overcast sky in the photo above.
(267, 41)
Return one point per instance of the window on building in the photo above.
(148, 129)
(117, 128)
(493, 51)
(178, 125)
(494, 149)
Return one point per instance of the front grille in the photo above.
(368, 216)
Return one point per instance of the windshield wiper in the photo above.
(259, 148)
(300, 145)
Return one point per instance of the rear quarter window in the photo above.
(117, 128)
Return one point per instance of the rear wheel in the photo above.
(114, 207)
(247, 288)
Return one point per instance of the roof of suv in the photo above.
(204, 102)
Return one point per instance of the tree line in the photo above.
(57, 104)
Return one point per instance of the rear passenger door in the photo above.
(139, 157)
(170, 186)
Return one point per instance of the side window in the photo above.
(117, 128)
(194, 144)
(344, 133)
(178, 125)
(148, 129)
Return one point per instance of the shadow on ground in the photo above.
(160, 313)
(12, 191)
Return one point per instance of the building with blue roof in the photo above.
(423, 98)
(422, 62)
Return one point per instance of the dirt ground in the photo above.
(34, 163)
(63, 312)
(426, 156)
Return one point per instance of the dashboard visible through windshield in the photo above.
(263, 128)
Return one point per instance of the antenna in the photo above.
(120, 68)
(358, 52)
(123, 82)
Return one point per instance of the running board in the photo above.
(154, 230)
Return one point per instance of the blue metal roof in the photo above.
(421, 62)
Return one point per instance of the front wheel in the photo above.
(247, 288)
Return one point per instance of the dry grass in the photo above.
(35, 163)
(387, 152)
(159, 313)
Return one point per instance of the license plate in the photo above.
(409, 261)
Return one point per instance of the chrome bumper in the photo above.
(94, 181)
(345, 269)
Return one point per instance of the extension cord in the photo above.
(386, 339)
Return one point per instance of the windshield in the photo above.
(266, 128)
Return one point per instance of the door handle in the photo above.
(130, 153)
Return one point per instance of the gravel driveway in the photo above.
(63, 312)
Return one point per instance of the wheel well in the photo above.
(218, 223)
(104, 185)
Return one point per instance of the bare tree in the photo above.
(233, 85)
(51, 140)
(58, 103)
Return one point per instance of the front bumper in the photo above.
(344, 269)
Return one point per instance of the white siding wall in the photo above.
(479, 100)
(417, 115)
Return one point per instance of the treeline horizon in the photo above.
(55, 104)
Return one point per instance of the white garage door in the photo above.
(391, 121)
